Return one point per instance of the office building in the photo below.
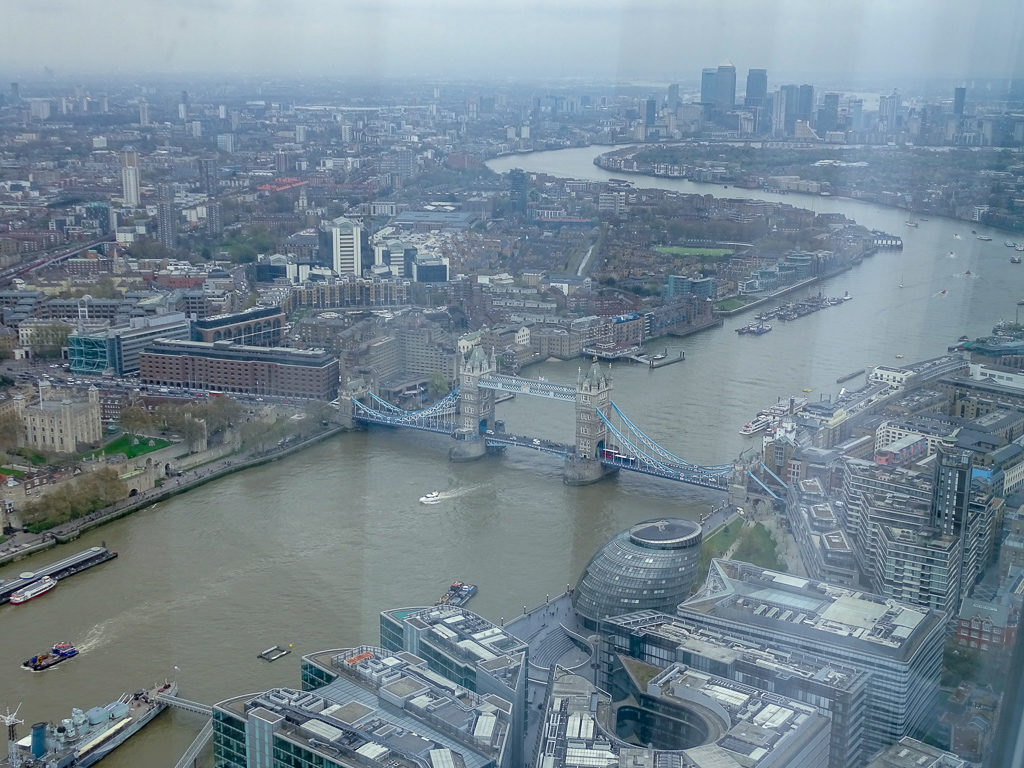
(62, 421)
(673, 96)
(346, 247)
(708, 89)
(428, 268)
(899, 645)
(143, 114)
(838, 692)
(828, 115)
(959, 101)
(130, 179)
(682, 718)
(888, 112)
(805, 104)
(255, 327)
(222, 366)
(725, 86)
(116, 350)
(855, 115)
(469, 651)
(757, 88)
(650, 566)
(911, 753)
(363, 707)
(166, 217)
(650, 112)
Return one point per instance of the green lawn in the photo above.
(728, 305)
(124, 444)
(15, 473)
(758, 547)
(679, 250)
(714, 546)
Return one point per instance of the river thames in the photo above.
(308, 550)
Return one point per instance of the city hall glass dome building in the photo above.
(651, 566)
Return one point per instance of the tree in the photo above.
(71, 500)
(219, 412)
(10, 432)
(51, 338)
(134, 419)
(437, 385)
(191, 430)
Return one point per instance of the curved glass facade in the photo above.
(651, 566)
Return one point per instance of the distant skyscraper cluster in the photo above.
(797, 111)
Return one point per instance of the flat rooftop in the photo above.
(387, 709)
(746, 726)
(717, 645)
(827, 614)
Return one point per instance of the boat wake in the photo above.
(97, 636)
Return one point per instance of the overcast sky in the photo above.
(595, 39)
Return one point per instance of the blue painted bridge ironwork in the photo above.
(627, 448)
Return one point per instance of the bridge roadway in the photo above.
(44, 261)
(561, 450)
(718, 482)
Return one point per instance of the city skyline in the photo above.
(618, 39)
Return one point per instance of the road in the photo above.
(44, 261)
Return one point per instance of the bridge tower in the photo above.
(593, 393)
(353, 388)
(476, 407)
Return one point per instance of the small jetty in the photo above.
(273, 653)
(850, 375)
(61, 569)
(663, 359)
(658, 360)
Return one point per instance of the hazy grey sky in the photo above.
(666, 39)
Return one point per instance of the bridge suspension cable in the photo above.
(671, 458)
(437, 418)
(446, 403)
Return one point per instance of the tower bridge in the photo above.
(605, 439)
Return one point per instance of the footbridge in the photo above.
(606, 440)
(185, 704)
